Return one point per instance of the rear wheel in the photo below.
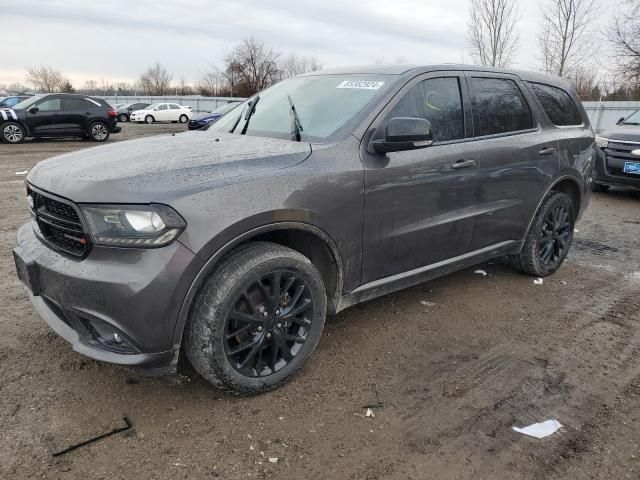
(12, 132)
(598, 187)
(149, 119)
(184, 119)
(256, 319)
(98, 132)
(549, 238)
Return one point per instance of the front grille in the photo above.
(59, 224)
(617, 154)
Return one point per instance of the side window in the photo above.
(74, 104)
(163, 107)
(437, 100)
(499, 107)
(174, 106)
(560, 107)
(51, 105)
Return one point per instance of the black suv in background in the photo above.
(618, 158)
(58, 115)
(124, 111)
(323, 191)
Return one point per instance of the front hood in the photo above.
(625, 133)
(162, 168)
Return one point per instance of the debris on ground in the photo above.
(424, 303)
(54, 452)
(563, 282)
(273, 459)
(369, 413)
(540, 430)
(538, 281)
(481, 272)
(22, 172)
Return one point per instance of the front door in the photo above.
(419, 203)
(44, 121)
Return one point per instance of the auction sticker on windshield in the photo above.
(361, 84)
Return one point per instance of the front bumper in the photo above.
(136, 293)
(607, 171)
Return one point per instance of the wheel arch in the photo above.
(307, 239)
(19, 122)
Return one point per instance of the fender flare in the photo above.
(211, 263)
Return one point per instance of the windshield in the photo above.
(27, 102)
(633, 119)
(327, 106)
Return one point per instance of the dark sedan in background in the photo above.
(12, 100)
(124, 110)
(202, 122)
(618, 157)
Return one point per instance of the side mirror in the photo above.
(405, 133)
(620, 121)
(34, 110)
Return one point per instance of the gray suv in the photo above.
(323, 191)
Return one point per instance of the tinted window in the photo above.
(173, 106)
(70, 104)
(50, 105)
(559, 106)
(437, 100)
(499, 107)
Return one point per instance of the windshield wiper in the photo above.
(295, 120)
(249, 114)
(630, 123)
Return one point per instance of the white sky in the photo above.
(118, 39)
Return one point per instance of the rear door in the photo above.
(44, 121)
(517, 157)
(175, 111)
(418, 203)
(74, 115)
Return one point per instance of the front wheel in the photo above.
(12, 132)
(184, 119)
(149, 119)
(549, 239)
(256, 319)
(98, 132)
(123, 118)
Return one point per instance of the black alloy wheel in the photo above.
(268, 324)
(555, 236)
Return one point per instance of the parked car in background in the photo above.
(125, 110)
(323, 191)
(162, 112)
(618, 155)
(58, 115)
(12, 101)
(202, 121)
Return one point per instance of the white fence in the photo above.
(604, 115)
(197, 103)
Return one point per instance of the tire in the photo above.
(149, 119)
(12, 132)
(99, 132)
(598, 187)
(183, 119)
(275, 331)
(548, 241)
(123, 118)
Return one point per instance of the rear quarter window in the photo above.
(558, 104)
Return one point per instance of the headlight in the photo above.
(602, 142)
(152, 225)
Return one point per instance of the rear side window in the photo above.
(173, 106)
(437, 100)
(560, 107)
(499, 107)
(71, 104)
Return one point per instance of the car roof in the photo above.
(413, 70)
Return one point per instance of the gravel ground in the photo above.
(447, 367)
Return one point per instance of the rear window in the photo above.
(499, 107)
(558, 104)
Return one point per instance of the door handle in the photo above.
(463, 164)
(547, 151)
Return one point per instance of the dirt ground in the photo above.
(447, 367)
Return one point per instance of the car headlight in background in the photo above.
(602, 142)
(143, 226)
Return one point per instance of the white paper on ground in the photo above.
(538, 281)
(481, 272)
(540, 430)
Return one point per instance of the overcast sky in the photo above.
(118, 39)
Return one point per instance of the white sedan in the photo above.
(162, 112)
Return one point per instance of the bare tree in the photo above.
(18, 88)
(293, 65)
(624, 36)
(251, 66)
(45, 79)
(155, 80)
(586, 82)
(122, 88)
(566, 39)
(90, 86)
(492, 31)
(210, 84)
